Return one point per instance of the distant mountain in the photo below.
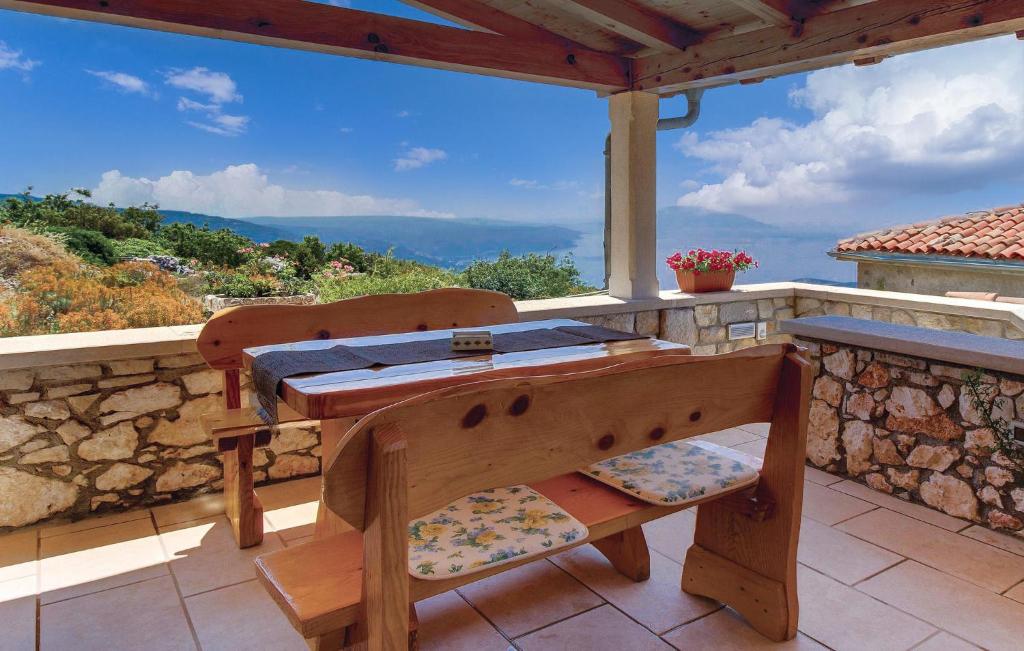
(254, 232)
(445, 242)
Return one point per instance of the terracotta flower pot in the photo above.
(708, 281)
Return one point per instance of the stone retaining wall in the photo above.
(907, 426)
(118, 434)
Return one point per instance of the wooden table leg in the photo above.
(242, 506)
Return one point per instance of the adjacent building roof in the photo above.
(996, 234)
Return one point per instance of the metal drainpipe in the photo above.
(693, 97)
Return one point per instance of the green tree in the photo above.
(351, 253)
(310, 256)
(65, 211)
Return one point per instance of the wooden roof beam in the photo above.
(477, 15)
(841, 36)
(349, 32)
(633, 22)
(769, 12)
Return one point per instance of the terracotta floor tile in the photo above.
(981, 564)
(203, 554)
(840, 555)
(916, 511)
(18, 554)
(730, 437)
(204, 506)
(147, 615)
(63, 528)
(448, 623)
(672, 535)
(820, 476)
(241, 616)
(726, 630)
(761, 429)
(289, 493)
(829, 507)
(25, 586)
(658, 603)
(1006, 541)
(754, 448)
(18, 631)
(529, 597)
(943, 641)
(600, 629)
(97, 559)
(842, 618)
(295, 521)
(961, 608)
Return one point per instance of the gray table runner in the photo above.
(269, 369)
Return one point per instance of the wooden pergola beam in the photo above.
(868, 30)
(475, 14)
(635, 23)
(349, 32)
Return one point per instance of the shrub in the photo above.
(135, 247)
(63, 211)
(65, 297)
(22, 249)
(220, 248)
(306, 257)
(346, 252)
(91, 246)
(240, 284)
(331, 289)
(526, 277)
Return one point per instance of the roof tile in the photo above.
(994, 234)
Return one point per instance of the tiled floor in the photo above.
(875, 573)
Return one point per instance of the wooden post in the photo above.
(242, 506)
(634, 117)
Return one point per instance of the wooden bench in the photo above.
(408, 460)
(237, 429)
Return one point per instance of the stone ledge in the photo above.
(940, 345)
(105, 345)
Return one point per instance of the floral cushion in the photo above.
(489, 528)
(675, 473)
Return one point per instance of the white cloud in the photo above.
(219, 87)
(123, 81)
(404, 114)
(346, 130)
(417, 157)
(244, 190)
(11, 59)
(933, 122)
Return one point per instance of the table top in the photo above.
(354, 393)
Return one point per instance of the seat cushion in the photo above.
(679, 472)
(486, 529)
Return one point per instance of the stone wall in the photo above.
(938, 279)
(907, 427)
(937, 318)
(704, 327)
(113, 435)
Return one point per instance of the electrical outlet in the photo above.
(1017, 429)
(762, 330)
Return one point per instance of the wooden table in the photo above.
(338, 399)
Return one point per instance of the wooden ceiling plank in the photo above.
(349, 32)
(841, 36)
(766, 11)
(477, 15)
(635, 23)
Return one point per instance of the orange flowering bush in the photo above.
(65, 297)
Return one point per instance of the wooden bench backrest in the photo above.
(235, 328)
(504, 432)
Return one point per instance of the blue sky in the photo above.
(241, 130)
